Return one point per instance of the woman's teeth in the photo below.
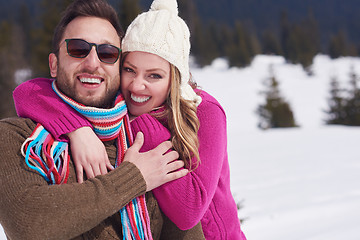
(139, 99)
(90, 80)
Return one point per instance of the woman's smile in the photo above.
(139, 99)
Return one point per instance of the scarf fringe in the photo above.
(48, 157)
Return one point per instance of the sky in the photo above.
(298, 183)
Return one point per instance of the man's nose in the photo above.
(92, 60)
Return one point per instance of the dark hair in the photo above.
(85, 8)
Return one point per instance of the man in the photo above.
(33, 209)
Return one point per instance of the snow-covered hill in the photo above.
(300, 183)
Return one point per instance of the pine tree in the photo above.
(197, 43)
(204, 45)
(270, 43)
(42, 36)
(129, 10)
(206, 39)
(275, 112)
(285, 33)
(26, 24)
(352, 107)
(238, 50)
(309, 41)
(337, 45)
(254, 44)
(337, 113)
(224, 39)
(344, 104)
(300, 42)
(11, 58)
(188, 12)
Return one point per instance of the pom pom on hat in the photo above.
(162, 32)
(170, 5)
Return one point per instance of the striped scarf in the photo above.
(50, 158)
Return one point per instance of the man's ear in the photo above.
(53, 65)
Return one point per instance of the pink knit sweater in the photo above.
(202, 195)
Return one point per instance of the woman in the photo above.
(162, 104)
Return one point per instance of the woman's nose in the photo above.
(138, 84)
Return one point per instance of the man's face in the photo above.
(87, 80)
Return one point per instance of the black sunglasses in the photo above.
(79, 48)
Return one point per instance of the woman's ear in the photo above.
(53, 64)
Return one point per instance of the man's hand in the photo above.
(158, 166)
(89, 154)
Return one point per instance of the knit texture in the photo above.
(162, 32)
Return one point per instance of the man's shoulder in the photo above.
(17, 121)
(16, 126)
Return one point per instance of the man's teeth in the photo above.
(90, 80)
(139, 99)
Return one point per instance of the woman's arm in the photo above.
(186, 200)
(35, 99)
(154, 132)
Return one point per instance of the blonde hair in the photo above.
(183, 122)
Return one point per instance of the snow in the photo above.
(298, 183)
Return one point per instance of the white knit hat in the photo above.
(162, 32)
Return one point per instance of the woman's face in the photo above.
(145, 82)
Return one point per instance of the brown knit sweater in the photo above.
(32, 209)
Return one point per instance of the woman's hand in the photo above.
(89, 154)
